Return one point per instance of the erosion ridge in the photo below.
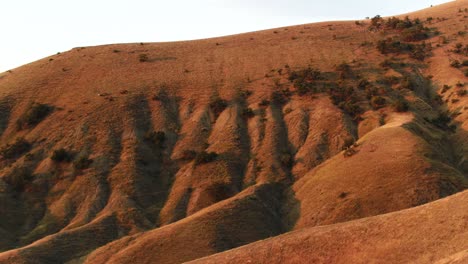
(169, 152)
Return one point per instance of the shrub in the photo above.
(465, 63)
(445, 88)
(415, 33)
(344, 67)
(461, 92)
(351, 108)
(455, 64)
(401, 105)
(61, 155)
(248, 113)
(303, 80)
(218, 105)
(466, 72)
(33, 115)
(143, 57)
(393, 45)
(442, 121)
(308, 74)
(348, 142)
(15, 150)
(82, 162)
(363, 83)
(280, 97)
(162, 94)
(205, 157)
(188, 154)
(377, 21)
(377, 102)
(264, 102)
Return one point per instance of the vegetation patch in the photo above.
(410, 30)
(15, 150)
(35, 113)
(401, 105)
(394, 45)
(217, 105)
(82, 162)
(61, 155)
(248, 113)
(205, 157)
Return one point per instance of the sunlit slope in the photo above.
(168, 152)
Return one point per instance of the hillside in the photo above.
(343, 135)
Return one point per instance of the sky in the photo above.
(33, 29)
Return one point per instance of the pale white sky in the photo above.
(33, 29)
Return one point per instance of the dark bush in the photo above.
(218, 105)
(280, 97)
(188, 154)
(344, 67)
(34, 115)
(407, 83)
(304, 80)
(455, 64)
(415, 33)
(248, 113)
(393, 45)
(264, 103)
(205, 157)
(445, 88)
(308, 74)
(348, 142)
(15, 150)
(143, 57)
(401, 105)
(363, 83)
(461, 92)
(376, 22)
(351, 108)
(377, 102)
(162, 94)
(82, 162)
(442, 121)
(61, 155)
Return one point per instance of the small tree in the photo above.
(61, 155)
(377, 102)
(143, 57)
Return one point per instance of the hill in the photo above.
(170, 152)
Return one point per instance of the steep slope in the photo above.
(426, 234)
(225, 141)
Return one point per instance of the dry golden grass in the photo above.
(279, 169)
